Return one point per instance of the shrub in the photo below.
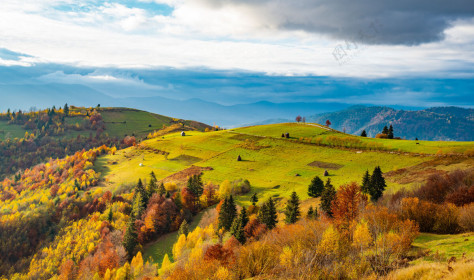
(466, 217)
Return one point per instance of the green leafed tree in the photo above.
(364, 133)
(254, 199)
(268, 214)
(227, 213)
(237, 230)
(161, 189)
(184, 228)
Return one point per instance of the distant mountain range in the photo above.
(438, 123)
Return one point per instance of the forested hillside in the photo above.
(438, 123)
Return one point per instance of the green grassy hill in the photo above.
(275, 166)
(118, 123)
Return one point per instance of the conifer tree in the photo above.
(377, 184)
(365, 186)
(138, 206)
(327, 197)
(130, 238)
(243, 216)
(292, 210)
(268, 215)
(140, 189)
(385, 130)
(110, 215)
(151, 188)
(66, 110)
(161, 189)
(195, 186)
(227, 214)
(254, 199)
(237, 230)
(184, 228)
(364, 133)
(390, 132)
(316, 187)
(315, 213)
(76, 184)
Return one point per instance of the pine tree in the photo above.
(237, 230)
(195, 186)
(227, 214)
(268, 214)
(138, 206)
(130, 238)
(315, 213)
(110, 215)
(140, 189)
(76, 184)
(377, 184)
(292, 210)
(244, 217)
(184, 228)
(254, 199)
(364, 133)
(390, 132)
(66, 109)
(161, 189)
(327, 197)
(385, 130)
(151, 187)
(316, 187)
(365, 187)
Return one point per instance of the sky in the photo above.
(412, 53)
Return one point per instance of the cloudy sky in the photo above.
(423, 48)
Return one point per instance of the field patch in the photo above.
(186, 159)
(183, 175)
(326, 165)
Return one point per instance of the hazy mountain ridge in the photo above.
(437, 123)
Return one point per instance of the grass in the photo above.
(267, 161)
(164, 245)
(314, 130)
(273, 162)
(447, 245)
(11, 130)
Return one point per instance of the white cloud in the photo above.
(225, 37)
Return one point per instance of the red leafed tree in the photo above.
(298, 118)
(328, 123)
(218, 252)
(345, 207)
(130, 141)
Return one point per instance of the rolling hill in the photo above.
(437, 123)
(85, 202)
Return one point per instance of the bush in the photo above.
(466, 217)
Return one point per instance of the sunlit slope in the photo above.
(272, 164)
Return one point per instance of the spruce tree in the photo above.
(66, 109)
(183, 229)
(140, 189)
(227, 214)
(390, 132)
(138, 206)
(237, 230)
(268, 214)
(254, 199)
(377, 184)
(161, 189)
(151, 187)
(110, 215)
(243, 216)
(365, 187)
(385, 130)
(364, 133)
(130, 238)
(195, 186)
(292, 210)
(327, 197)
(316, 187)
